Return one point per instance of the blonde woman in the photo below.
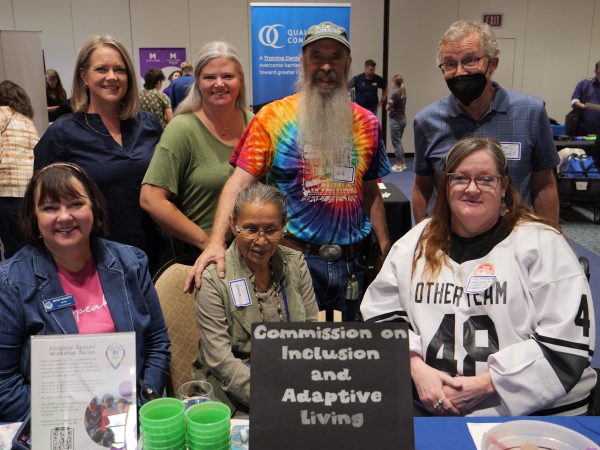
(110, 138)
(396, 106)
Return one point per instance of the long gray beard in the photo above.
(325, 126)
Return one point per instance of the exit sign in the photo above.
(493, 20)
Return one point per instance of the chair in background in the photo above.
(328, 315)
(179, 309)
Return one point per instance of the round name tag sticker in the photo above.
(482, 278)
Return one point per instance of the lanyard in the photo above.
(285, 302)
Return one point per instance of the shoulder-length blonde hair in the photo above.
(212, 50)
(434, 244)
(80, 99)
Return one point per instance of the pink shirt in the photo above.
(91, 311)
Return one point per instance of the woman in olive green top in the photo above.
(264, 282)
(191, 162)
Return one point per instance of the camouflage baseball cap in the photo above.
(326, 30)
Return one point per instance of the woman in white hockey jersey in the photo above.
(500, 312)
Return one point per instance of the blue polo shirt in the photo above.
(590, 119)
(517, 120)
(180, 88)
(366, 90)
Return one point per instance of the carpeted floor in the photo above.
(578, 223)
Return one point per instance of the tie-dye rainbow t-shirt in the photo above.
(321, 207)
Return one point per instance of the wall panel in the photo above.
(556, 52)
(7, 21)
(152, 25)
(415, 30)
(53, 19)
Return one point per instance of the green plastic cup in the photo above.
(217, 439)
(161, 440)
(175, 444)
(223, 434)
(226, 446)
(161, 418)
(208, 417)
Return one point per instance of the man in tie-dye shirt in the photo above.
(325, 154)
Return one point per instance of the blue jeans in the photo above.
(396, 131)
(330, 280)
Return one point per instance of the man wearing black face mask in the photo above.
(468, 56)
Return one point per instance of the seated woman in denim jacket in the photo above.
(264, 282)
(62, 218)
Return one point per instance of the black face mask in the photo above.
(467, 88)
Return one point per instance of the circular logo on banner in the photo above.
(268, 36)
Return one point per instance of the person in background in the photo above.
(110, 138)
(278, 288)
(181, 86)
(325, 154)
(18, 137)
(191, 163)
(63, 220)
(172, 77)
(55, 94)
(152, 99)
(500, 313)
(365, 88)
(396, 106)
(586, 96)
(468, 57)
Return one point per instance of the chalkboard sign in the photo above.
(330, 385)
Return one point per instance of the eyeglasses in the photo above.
(468, 63)
(253, 233)
(483, 182)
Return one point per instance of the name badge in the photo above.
(343, 173)
(54, 304)
(479, 283)
(512, 150)
(240, 293)
(482, 278)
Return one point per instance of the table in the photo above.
(397, 211)
(452, 433)
(571, 143)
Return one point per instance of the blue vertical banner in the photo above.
(277, 32)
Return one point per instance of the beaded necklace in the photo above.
(280, 311)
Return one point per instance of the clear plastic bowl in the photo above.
(516, 433)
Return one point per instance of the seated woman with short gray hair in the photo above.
(264, 282)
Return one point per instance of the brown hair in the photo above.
(13, 95)
(437, 233)
(58, 93)
(55, 182)
(80, 100)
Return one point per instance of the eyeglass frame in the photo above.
(260, 231)
(473, 179)
(462, 62)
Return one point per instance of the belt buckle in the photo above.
(330, 252)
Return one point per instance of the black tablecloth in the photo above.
(397, 212)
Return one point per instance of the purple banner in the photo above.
(167, 59)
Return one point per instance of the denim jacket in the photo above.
(30, 277)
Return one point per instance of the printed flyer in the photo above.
(83, 391)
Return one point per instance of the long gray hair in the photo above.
(212, 50)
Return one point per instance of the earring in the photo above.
(503, 208)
